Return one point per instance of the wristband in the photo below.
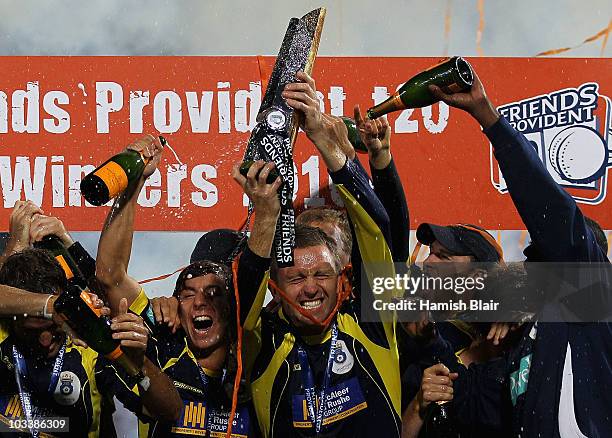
(46, 314)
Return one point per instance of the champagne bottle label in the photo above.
(452, 75)
(115, 354)
(85, 297)
(396, 101)
(64, 264)
(114, 177)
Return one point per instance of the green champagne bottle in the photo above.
(113, 176)
(76, 307)
(440, 417)
(54, 245)
(353, 135)
(246, 165)
(453, 75)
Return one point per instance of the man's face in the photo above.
(40, 336)
(333, 231)
(204, 311)
(311, 283)
(442, 262)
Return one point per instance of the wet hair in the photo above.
(325, 214)
(220, 245)
(34, 270)
(4, 238)
(508, 284)
(600, 236)
(202, 268)
(307, 237)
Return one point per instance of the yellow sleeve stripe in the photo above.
(375, 253)
(4, 332)
(251, 346)
(261, 389)
(253, 316)
(372, 244)
(174, 360)
(89, 359)
(140, 303)
(386, 360)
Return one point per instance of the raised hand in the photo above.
(20, 223)
(302, 96)
(263, 195)
(265, 201)
(42, 226)
(151, 149)
(376, 135)
(473, 101)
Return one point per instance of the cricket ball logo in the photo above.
(569, 130)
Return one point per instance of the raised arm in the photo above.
(330, 136)
(254, 262)
(554, 221)
(19, 227)
(116, 239)
(14, 301)
(376, 135)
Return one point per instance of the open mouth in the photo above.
(311, 304)
(202, 323)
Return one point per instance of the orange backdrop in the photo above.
(203, 106)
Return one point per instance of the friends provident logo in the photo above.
(569, 130)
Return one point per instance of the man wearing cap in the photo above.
(560, 371)
(461, 242)
(459, 250)
(469, 251)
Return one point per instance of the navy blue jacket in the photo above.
(559, 233)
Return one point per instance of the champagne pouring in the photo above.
(453, 75)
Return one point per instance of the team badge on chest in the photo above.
(68, 389)
(343, 359)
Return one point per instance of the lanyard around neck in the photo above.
(21, 375)
(316, 412)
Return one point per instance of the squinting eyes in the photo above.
(318, 276)
(210, 292)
